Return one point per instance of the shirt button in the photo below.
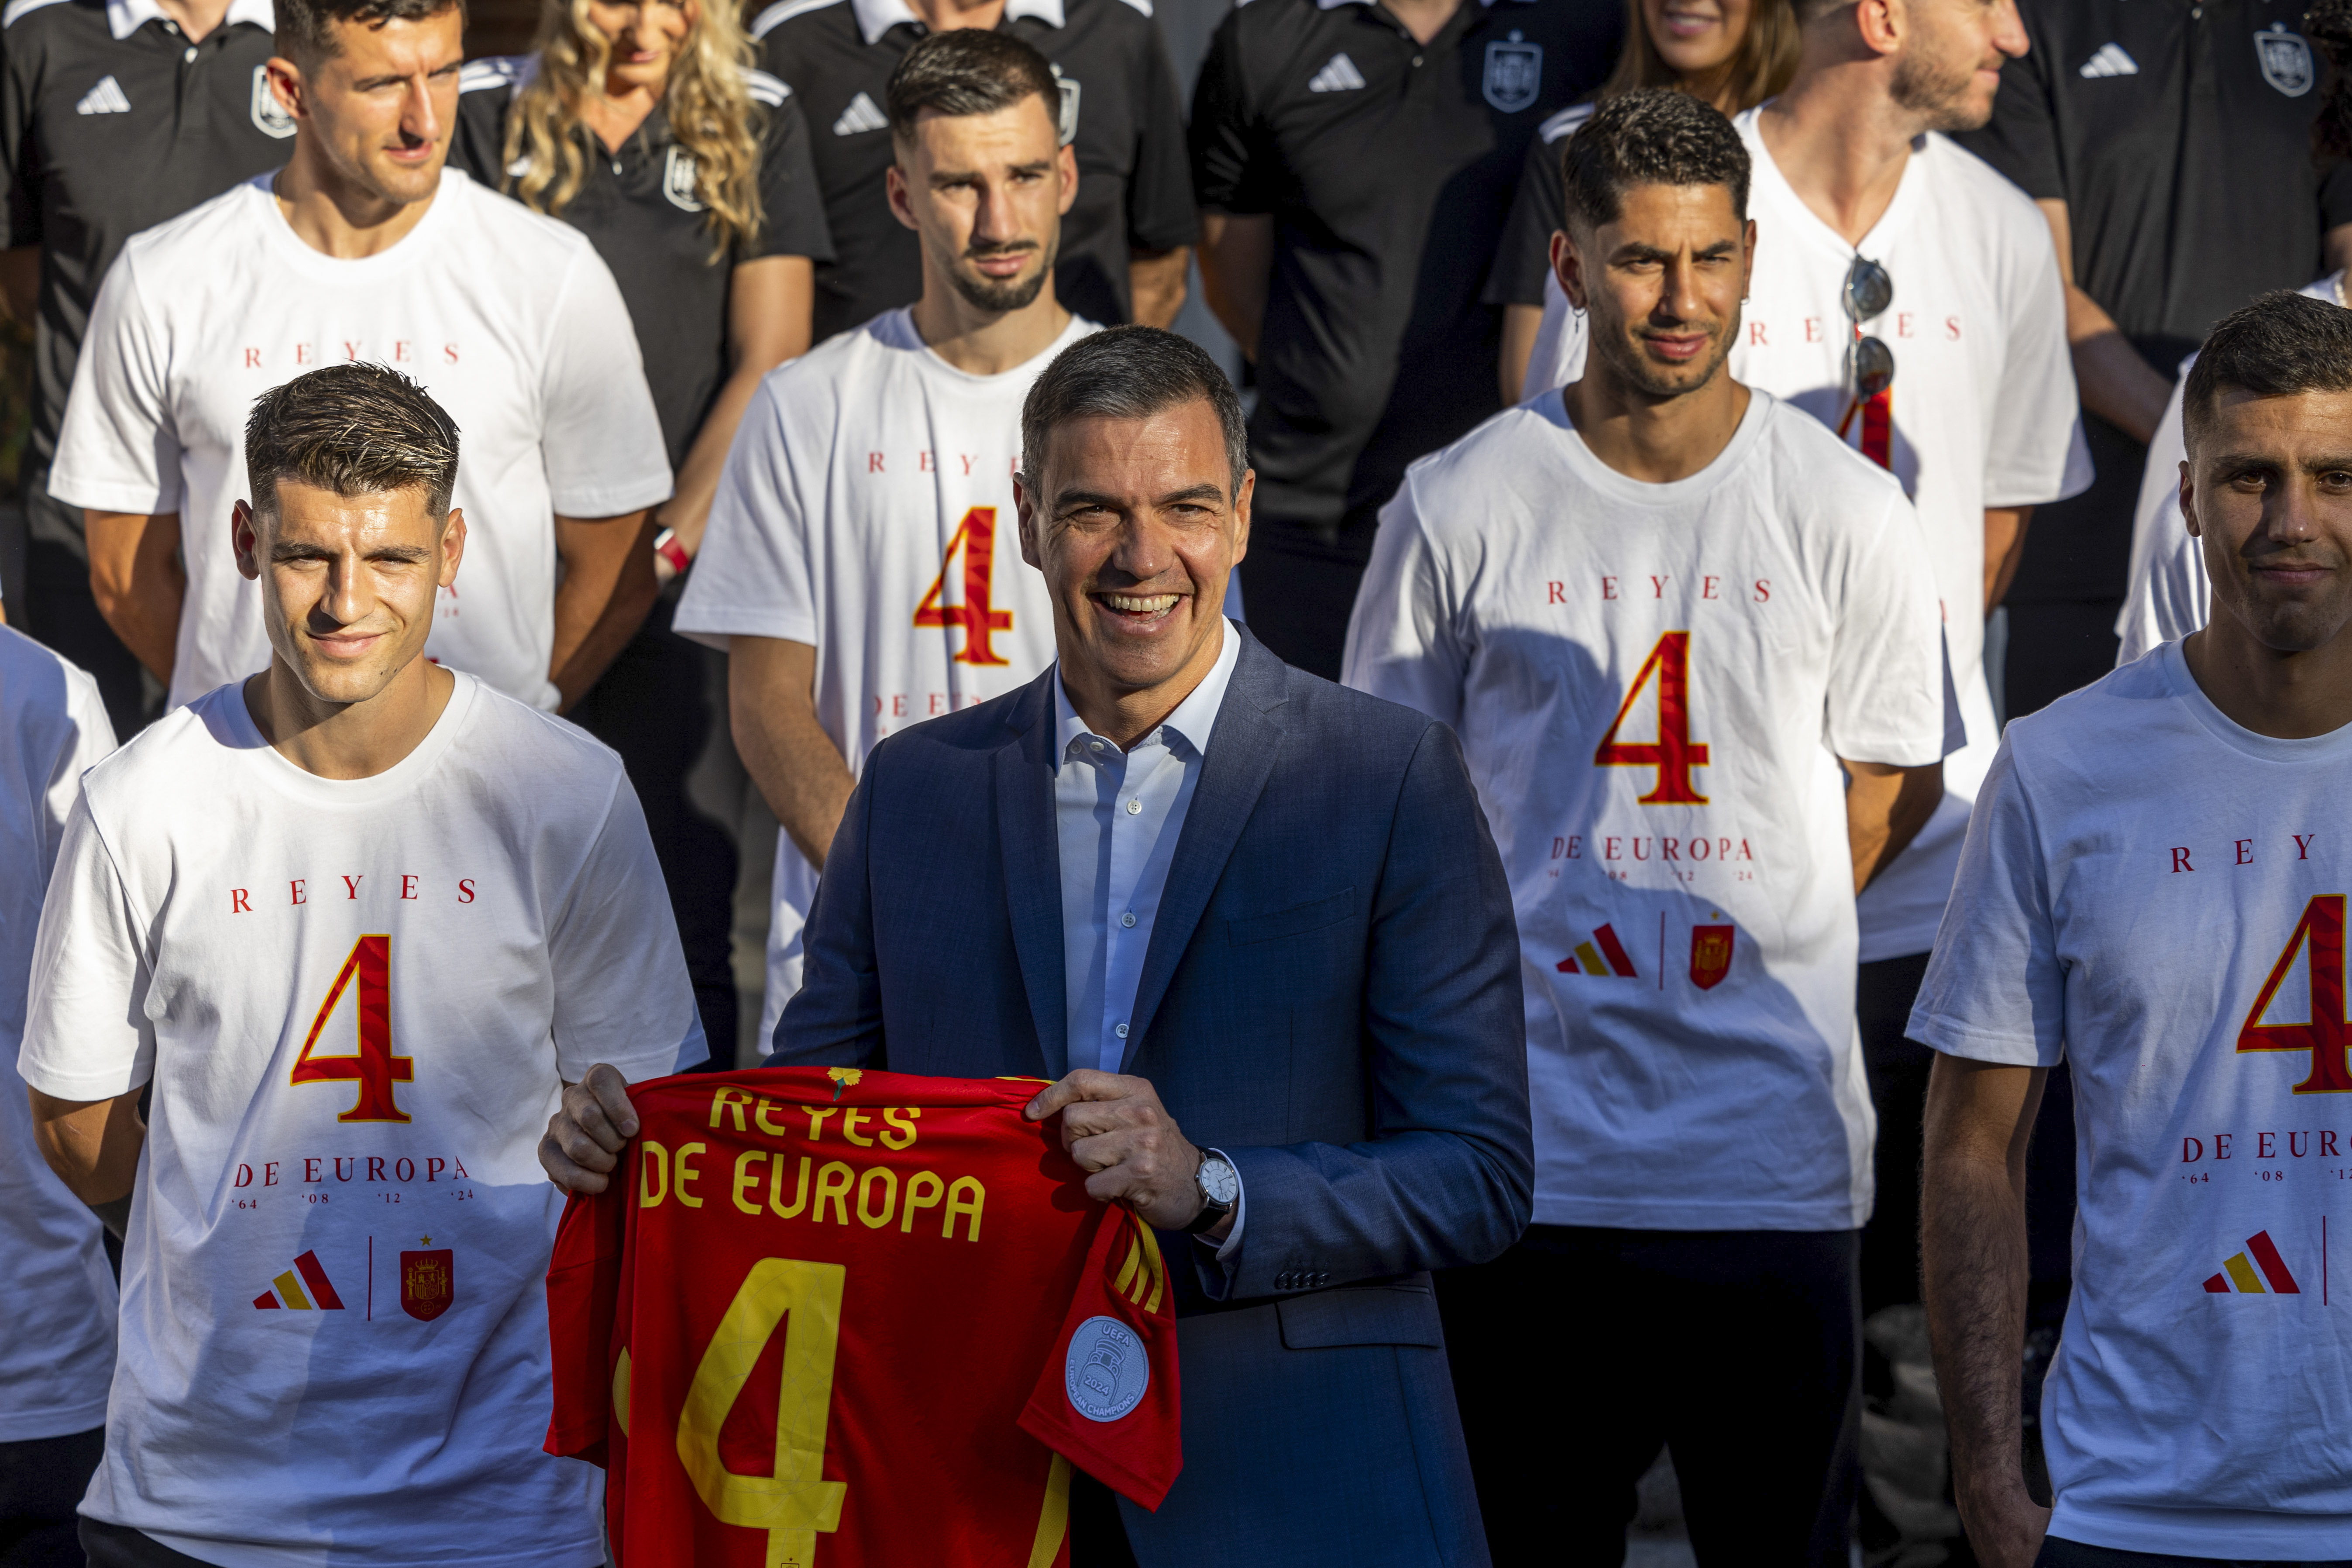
(1127, 918)
(191, 56)
(1416, 59)
(1134, 807)
(1120, 1031)
(1097, 746)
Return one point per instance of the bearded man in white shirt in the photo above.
(365, 248)
(1690, 644)
(355, 920)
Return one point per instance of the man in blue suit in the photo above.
(1255, 927)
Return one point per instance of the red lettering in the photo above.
(407, 887)
(404, 1169)
(936, 698)
(2180, 859)
(1723, 848)
(976, 538)
(1666, 848)
(466, 890)
(2329, 1035)
(2327, 1144)
(1673, 753)
(350, 352)
(270, 1173)
(2189, 1144)
(460, 1165)
(2295, 1152)
(400, 350)
(310, 1169)
(2220, 1145)
(1901, 323)
(1700, 848)
(1952, 329)
(341, 1174)
(297, 885)
(1657, 587)
(873, 462)
(1609, 587)
(2245, 846)
(1609, 849)
(236, 904)
(1763, 590)
(1555, 593)
(432, 1169)
(898, 705)
(449, 353)
(301, 354)
(1707, 587)
(253, 358)
(2263, 1146)
(922, 462)
(1812, 329)
(1744, 855)
(351, 884)
(1637, 849)
(244, 1175)
(2303, 847)
(967, 464)
(1756, 335)
(376, 1169)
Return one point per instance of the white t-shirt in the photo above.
(2170, 594)
(56, 1293)
(863, 478)
(1685, 910)
(358, 1002)
(509, 319)
(2157, 895)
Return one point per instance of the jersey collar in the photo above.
(124, 17)
(876, 17)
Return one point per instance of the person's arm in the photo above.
(137, 579)
(1885, 807)
(1155, 281)
(2004, 548)
(769, 305)
(1972, 1243)
(1520, 325)
(93, 1146)
(771, 703)
(1237, 271)
(607, 586)
(2117, 385)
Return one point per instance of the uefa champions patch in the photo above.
(270, 116)
(1107, 1370)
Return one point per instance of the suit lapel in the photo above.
(1031, 847)
(1241, 754)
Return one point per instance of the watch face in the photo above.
(1220, 1180)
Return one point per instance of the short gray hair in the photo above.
(355, 429)
(1129, 373)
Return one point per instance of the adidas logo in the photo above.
(106, 98)
(1339, 75)
(286, 1290)
(860, 117)
(1588, 956)
(2238, 1275)
(2110, 60)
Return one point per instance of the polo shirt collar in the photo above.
(876, 17)
(124, 17)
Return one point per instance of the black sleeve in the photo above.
(791, 208)
(1523, 258)
(477, 142)
(1233, 168)
(2336, 194)
(2022, 139)
(20, 163)
(1160, 214)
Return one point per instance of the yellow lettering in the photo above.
(816, 1119)
(837, 1192)
(923, 1192)
(747, 1180)
(956, 1205)
(776, 1189)
(901, 1134)
(652, 1174)
(686, 1173)
(850, 1122)
(889, 1196)
(733, 1100)
(760, 1115)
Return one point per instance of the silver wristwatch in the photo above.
(1221, 1188)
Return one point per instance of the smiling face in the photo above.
(644, 39)
(1950, 65)
(377, 112)
(1135, 526)
(348, 583)
(2268, 490)
(1662, 284)
(986, 193)
(1695, 37)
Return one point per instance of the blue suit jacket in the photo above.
(1331, 996)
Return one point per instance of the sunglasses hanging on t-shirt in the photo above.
(1870, 363)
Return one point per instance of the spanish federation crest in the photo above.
(1515, 73)
(270, 116)
(2286, 60)
(678, 180)
(1711, 955)
(1069, 117)
(427, 1282)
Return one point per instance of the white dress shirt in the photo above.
(1118, 814)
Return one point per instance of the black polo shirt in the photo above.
(2178, 135)
(111, 122)
(1389, 168)
(1135, 193)
(637, 206)
(1539, 210)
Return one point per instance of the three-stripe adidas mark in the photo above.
(2238, 1275)
(861, 116)
(1339, 75)
(286, 1290)
(1588, 957)
(106, 98)
(2110, 60)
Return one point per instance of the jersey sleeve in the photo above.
(87, 1036)
(2336, 194)
(1995, 991)
(791, 204)
(2036, 453)
(601, 441)
(583, 1292)
(1404, 642)
(1523, 257)
(2167, 594)
(1233, 167)
(20, 163)
(1887, 672)
(119, 447)
(1161, 213)
(622, 994)
(88, 735)
(752, 576)
(1108, 1398)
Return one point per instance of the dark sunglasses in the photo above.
(1868, 292)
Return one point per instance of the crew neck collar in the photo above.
(1630, 492)
(298, 252)
(289, 778)
(2334, 746)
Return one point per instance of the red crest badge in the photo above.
(426, 1284)
(1710, 954)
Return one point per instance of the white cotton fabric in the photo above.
(2138, 871)
(851, 477)
(56, 1293)
(508, 318)
(2170, 594)
(208, 896)
(1517, 590)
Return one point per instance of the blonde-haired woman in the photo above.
(1733, 53)
(643, 126)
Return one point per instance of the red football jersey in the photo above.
(855, 1318)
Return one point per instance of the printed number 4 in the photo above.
(373, 1065)
(1675, 754)
(795, 1502)
(976, 537)
(2328, 1037)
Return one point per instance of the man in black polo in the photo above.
(1126, 244)
(2170, 148)
(1356, 161)
(114, 116)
